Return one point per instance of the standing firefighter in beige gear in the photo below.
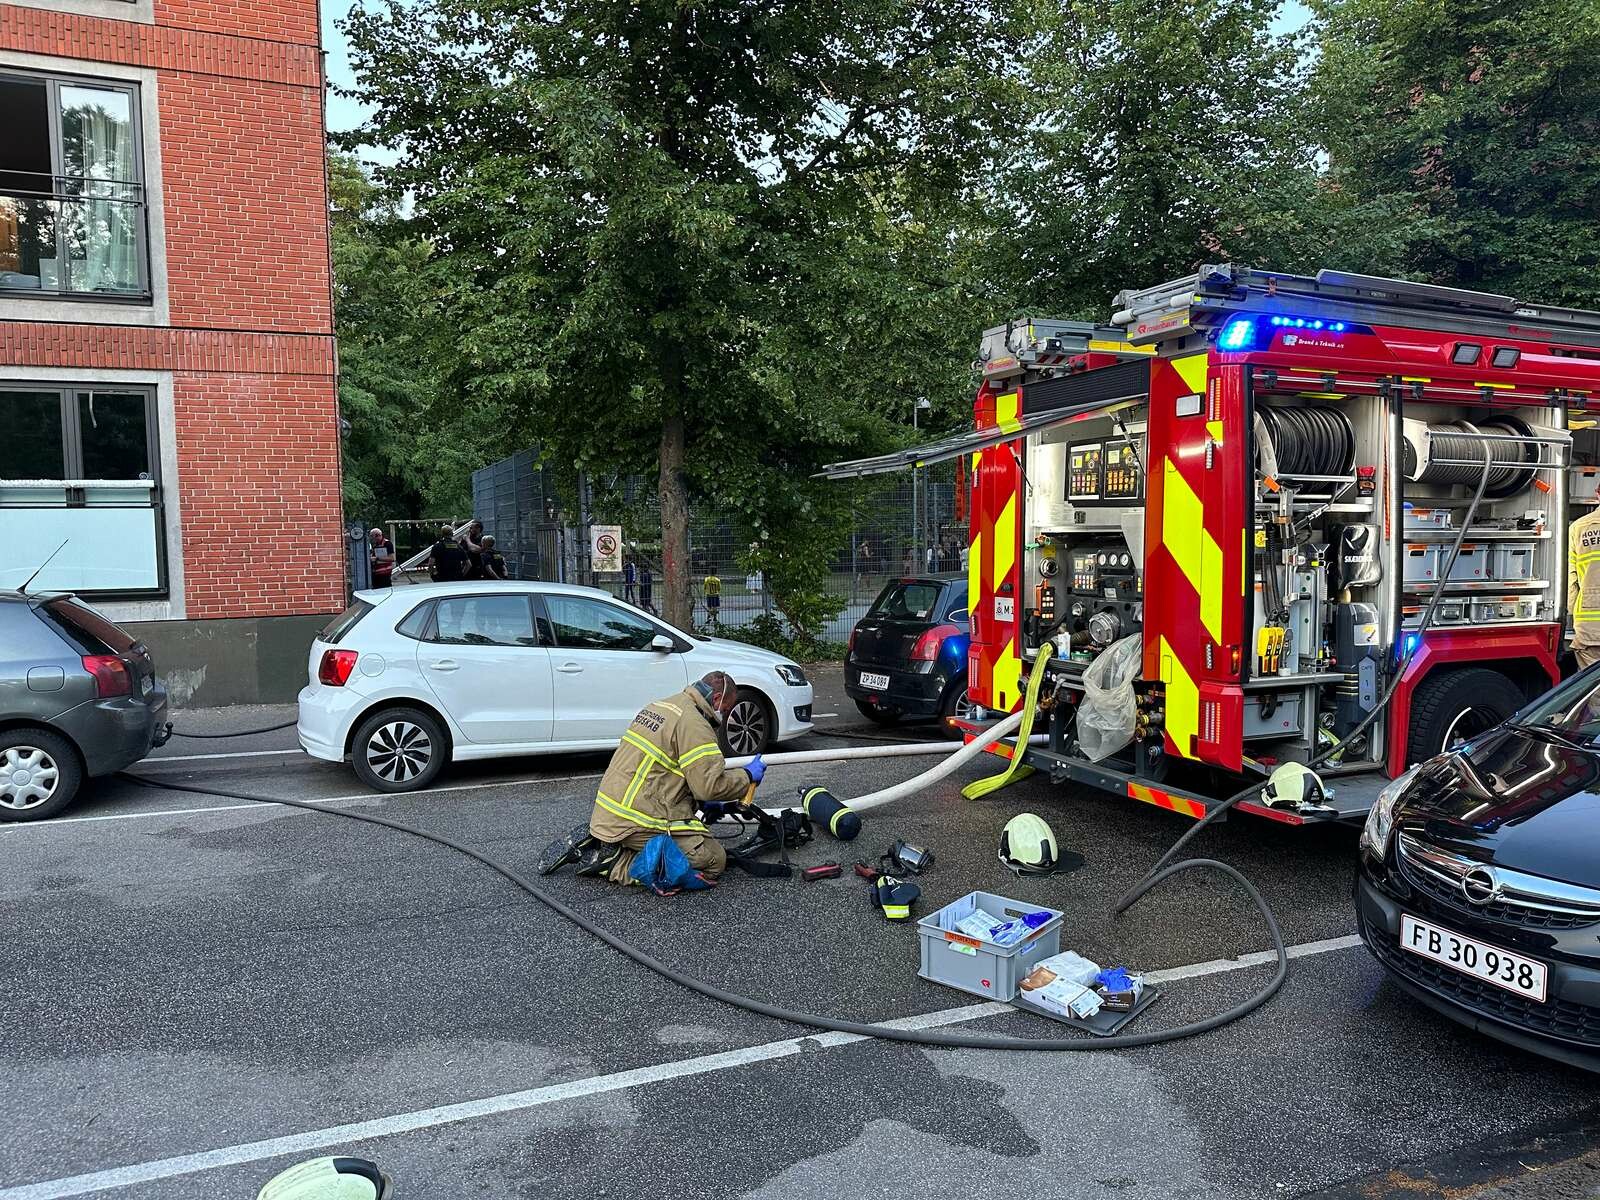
(1583, 586)
(667, 765)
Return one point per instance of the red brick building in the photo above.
(167, 363)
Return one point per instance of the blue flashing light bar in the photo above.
(1238, 334)
(1309, 323)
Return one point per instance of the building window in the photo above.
(79, 477)
(72, 203)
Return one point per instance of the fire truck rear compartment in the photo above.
(1355, 500)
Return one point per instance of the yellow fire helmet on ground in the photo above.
(1028, 846)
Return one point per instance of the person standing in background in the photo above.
(472, 547)
(494, 563)
(380, 554)
(447, 561)
(713, 590)
(647, 589)
(630, 576)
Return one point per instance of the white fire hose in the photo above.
(956, 758)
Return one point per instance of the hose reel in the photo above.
(1315, 439)
(1449, 452)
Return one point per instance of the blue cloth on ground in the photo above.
(664, 868)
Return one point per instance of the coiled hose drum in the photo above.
(1316, 439)
(1454, 441)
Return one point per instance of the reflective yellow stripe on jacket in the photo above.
(628, 813)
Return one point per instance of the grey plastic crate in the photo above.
(1471, 563)
(982, 968)
(1420, 562)
(1511, 561)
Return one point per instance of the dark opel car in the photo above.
(78, 698)
(1479, 887)
(908, 656)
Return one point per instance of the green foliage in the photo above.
(739, 216)
(410, 452)
(1464, 142)
(770, 633)
(1167, 136)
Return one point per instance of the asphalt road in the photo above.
(199, 991)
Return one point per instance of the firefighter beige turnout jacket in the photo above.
(1583, 580)
(668, 760)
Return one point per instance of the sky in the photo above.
(344, 114)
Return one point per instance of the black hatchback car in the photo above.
(1479, 888)
(907, 657)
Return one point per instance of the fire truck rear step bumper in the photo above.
(1352, 794)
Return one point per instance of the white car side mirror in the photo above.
(662, 644)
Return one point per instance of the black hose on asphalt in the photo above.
(236, 732)
(813, 1020)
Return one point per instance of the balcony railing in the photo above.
(81, 237)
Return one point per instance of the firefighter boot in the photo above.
(598, 858)
(565, 850)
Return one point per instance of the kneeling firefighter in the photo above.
(667, 765)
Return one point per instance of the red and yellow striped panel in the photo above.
(1194, 584)
(1154, 795)
(994, 559)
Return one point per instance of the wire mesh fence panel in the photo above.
(900, 525)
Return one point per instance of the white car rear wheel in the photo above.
(398, 750)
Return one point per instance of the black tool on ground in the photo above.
(823, 807)
(822, 871)
(912, 860)
(783, 832)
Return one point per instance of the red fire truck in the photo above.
(1269, 479)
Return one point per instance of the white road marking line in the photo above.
(157, 760)
(346, 1136)
(346, 798)
(1262, 958)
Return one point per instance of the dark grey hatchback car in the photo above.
(78, 698)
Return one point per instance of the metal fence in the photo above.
(541, 524)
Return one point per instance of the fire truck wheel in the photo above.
(878, 716)
(1452, 706)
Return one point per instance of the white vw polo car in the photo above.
(409, 678)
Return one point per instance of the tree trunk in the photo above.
(677, 607)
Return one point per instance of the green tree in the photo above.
(1168, 133)
(712, 238)
(389, 372)
(1463, 140)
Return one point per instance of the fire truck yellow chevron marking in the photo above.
(1192, 370)
(1007, 677)
(1006, 410)
(1005, 544)
(975, 568)
(1196, 552)
(1183, 701)
(1211, 586)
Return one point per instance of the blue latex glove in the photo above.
(757, 769)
